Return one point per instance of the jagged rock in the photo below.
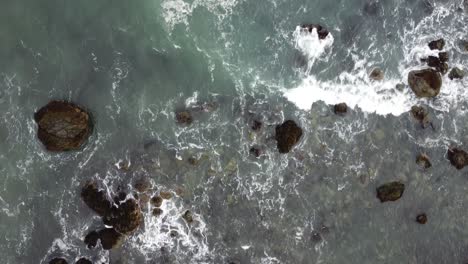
(62, 126)
(165, 195)
(443, 56)
(322, 32)
(142, 184)
(420, 114)
(437, 44)
(156, 201)
(157, 211)
(422, 219)
(255, 151)
(96, 199)
(84, 261)
(458, 157)
(425, 83)
(126, 218)
(287, 135)
(188, 216)
(184, 117)
(456, 73)
(257, 125)
(91, 239)
(340, 109)
(391, 191)
(377, 74)
(423, 161)
(110, 238)
(435, 62)
(58, 261)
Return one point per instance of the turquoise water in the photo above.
(133, 64)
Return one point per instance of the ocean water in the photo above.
(132, 64)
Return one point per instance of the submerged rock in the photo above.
(400, 87)
(456, 73)
(166, 195)
(91, 239)
(84, 261)
(425, 83)
(156, 201)
(110, 238)
(184, 117)
(458, 157)
(422, 219)
(443, 56)
(256, 152)
(257, 125)
(391, 191)
(126, 218)
(287, 135)
(322, 32)
(188, 216)
(157, 211)
(377, 74)
(58, 261)
(420, 114)
(340, 109)
(423, 161)
(437, 44)
(62, 126)
(96, 199)
(142, 184)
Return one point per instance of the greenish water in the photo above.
(132, 64)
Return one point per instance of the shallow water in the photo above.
(133, 64)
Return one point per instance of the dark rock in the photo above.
(437, 44)
(188, 216)
(142, 184)
(340, 109)
(456, 73)
(423, 161)
(126, 218)
(422, 219)
(157, 211)
(400, 87)
(156, 201)
(58, 261)
(110, 238)
(287, 135)
(372, 8)
(62, 126)
(443, 56)
(84, 261)
(91, 239)
(425, 83)
(184, 117)
(377, 74)
(255, 151)
(457, 157)
(165, 195)
(464, 45)
(316, 237)
(433, 61)
(96, 199)
(120, 197)
(391, 191)
(257, 125)
(322, 32)
(420, 114)
(193, 161)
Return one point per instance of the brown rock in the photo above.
(110, 238)
(165, 195)
(91, 239)
(437, 44)
(184, 117)
(96, 199)
(287, 135)
(62, 126)
(423, 161)
(341, 108)
(126, 218)
(157, 211)
(425, 83)
(156, 201)
(456, 73)
(391, 191)
(422, 219)
(188, 216)
(458, 157)
(443, 56)
(377, 74)
(142, 184)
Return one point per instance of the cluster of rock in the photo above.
(64, 261)
(321, 31)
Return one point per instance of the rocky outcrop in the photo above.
(456, 73)
(425, 83)
(322, 32)
(340, 109)
(437, 44)
(437, 63)
(156, 201)
(390, 192)
(420, 114)
(62, 126)
(377, 74)
(443, 56)
(96, 199)
(458, 157)
(287, 135)
(126, 217)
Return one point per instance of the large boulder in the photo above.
(62, 126)
(126, 217)
(458, 157)
(340, 109)
(437, 44)
(110, 238)
(321, 31)
(425, 83)
(96, 199)
(390, 192)
(437, 63)
(287, 135)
